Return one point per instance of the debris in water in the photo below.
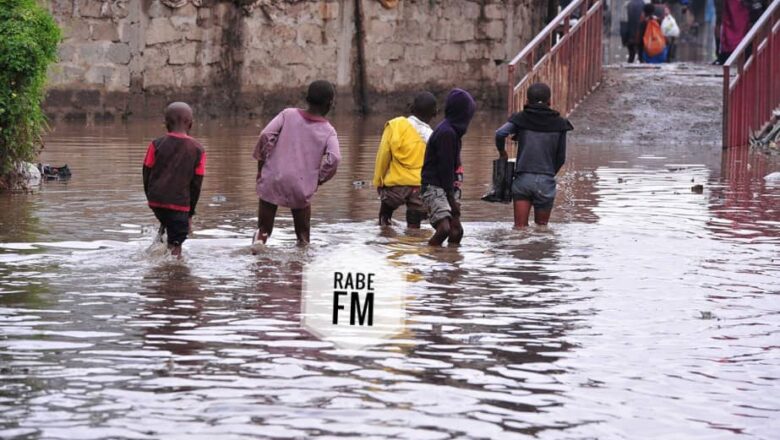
(773, 177)
(219, 198)
(708, 315)
(359, 183)
(698, 189)
(54, 173)
(683, 166)
(620, 180)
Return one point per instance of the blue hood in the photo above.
(459, 109)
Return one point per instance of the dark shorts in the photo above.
(539, 189)
(397, 196)
(437, 204)
(176, 223)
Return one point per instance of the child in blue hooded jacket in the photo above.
(442, 159)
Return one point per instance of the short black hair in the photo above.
(539, 93)
(177, 114)
(424, 103)
(320, 93)
(649, 9)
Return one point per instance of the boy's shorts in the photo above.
(396, 196)
(539, 189)
(436, 203)
(176, 223)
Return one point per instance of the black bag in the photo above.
(54, 173)
(503, 172)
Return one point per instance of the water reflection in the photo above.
(174, 305)
(644, 308)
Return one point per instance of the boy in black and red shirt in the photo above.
(173, 172)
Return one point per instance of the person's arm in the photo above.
(447, 146)
(501, 134)
(331, 159)
(560, 154)
(268, 138)
(383, 157)
(197, 182)
(149, 160)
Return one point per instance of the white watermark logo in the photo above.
(353, 297)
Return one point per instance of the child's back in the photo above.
(294, 166)
(173, 172)
(173, 161)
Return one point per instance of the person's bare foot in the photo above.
(258, 241)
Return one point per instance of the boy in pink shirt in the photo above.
(297, 151)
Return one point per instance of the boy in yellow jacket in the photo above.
(399, 161)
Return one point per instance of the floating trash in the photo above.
(683, 166)
(773, 177)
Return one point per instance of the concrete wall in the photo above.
(248, 57)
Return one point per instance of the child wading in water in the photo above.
(173, 172)
(541, 151)
(399, 162)
(297, 151)
(442, 160)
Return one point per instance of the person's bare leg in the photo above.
(266, 214)
(385, 215)
(456, 231)
(175, 250)
(522, 209)
(442, 232)
(542, 216)
(413, 218)
(302, 223)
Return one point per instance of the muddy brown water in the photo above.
(644, 311)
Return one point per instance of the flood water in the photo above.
(645, 310)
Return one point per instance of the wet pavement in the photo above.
(646, 310)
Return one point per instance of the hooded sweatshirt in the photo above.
(401, 152)
(442, 154)
(541, 139)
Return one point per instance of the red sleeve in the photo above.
(149, 159)
(200, 170)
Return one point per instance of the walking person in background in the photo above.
(297, 152)
(399, 162)
(541, 152)
(653, 43)
(630, 28)
(173, 172)
(442, 159)
(734, 25)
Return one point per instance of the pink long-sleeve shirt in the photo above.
(300, 152)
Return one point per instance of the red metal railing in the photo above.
(750, 96)
(567, 55)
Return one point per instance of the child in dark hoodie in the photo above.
(442, 159)
(541, 151)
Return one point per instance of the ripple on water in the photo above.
(645, 308)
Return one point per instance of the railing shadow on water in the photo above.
(567, 55)
(751, 83)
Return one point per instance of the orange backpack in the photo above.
(653, 40)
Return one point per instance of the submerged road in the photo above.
(658, 105)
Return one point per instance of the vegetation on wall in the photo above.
(28, 45)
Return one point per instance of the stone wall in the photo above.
(245, 57)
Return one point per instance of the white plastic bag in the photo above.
(669, 27)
